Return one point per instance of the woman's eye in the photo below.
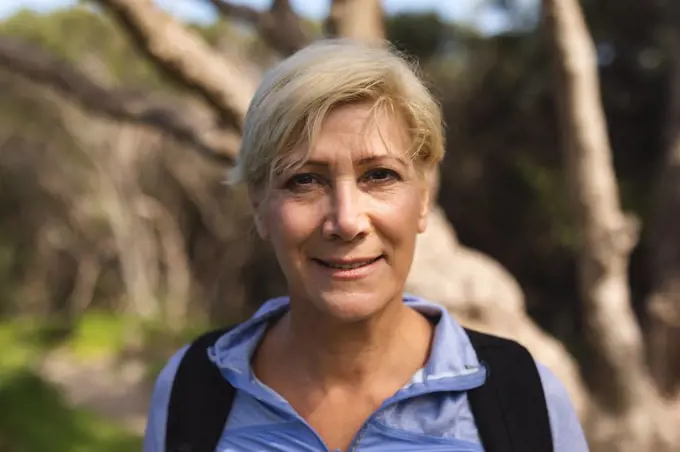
(302, 181)
(381, 175)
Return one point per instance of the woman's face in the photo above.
(344, 224)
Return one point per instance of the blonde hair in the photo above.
(295, 96)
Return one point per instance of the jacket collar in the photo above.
(452, 354)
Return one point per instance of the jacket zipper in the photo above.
(395, 399)
(357, 439)
(276, 401)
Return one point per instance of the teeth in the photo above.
(348, 266)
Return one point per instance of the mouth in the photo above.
(349, 264)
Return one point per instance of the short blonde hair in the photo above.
(294, 97)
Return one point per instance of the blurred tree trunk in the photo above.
(607, 235)
(632, 415)
(356, 19)
(185, 58)
(89, 270)
(663, 304)
(279, 26)
(483, 295)
(36, 290)
(150, 247)
(117, 186)
(121, 103)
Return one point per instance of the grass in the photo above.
(34, 416)
(98, 334)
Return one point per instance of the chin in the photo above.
(350, 306)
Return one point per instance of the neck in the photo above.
(330, 352)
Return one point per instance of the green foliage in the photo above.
(34, 417)
(549, 193)
(160, 343)
(77, 34)
(19, 344)
(7, 284)
(98, 334)
(81, 35)
(419, 35)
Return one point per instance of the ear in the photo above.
(261, 225)
(259, 216)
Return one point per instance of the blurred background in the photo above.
(557, 224)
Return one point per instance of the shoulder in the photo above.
(566, 428)
(154, 437)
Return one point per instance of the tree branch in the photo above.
(279, 26)
(185, 58)
(607, 234)
(484, 296)
(663, 303)
(42, 68)
(356, 19)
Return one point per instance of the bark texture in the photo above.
(279, 26)
(356, 19)
(485, 296)
(663, 305)
(632, 416)
(184, 57)
(119, 103)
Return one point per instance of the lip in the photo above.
(349, 261)
(348, 274)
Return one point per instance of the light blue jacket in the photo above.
(431, 413)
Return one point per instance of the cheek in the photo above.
(291, 225)
(399, 218)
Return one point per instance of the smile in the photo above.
(354, 269)
(348, 265)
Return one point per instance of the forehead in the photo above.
(357, 131)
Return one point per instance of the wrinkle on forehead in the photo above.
(362, 133)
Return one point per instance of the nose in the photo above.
(348, 218)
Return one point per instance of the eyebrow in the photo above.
(362, 162)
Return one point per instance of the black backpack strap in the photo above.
(510, 409)
(200, 400)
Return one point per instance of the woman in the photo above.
(339, 145)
